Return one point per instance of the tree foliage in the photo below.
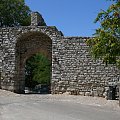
(106, 41)
(38, 70)
(14, 13)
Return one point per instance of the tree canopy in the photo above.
(38, 70)
(14, 13)
(106, 41)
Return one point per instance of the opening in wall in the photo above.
(37, 74)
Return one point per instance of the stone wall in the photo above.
(12, 77)
(73, 69)
(80, 73)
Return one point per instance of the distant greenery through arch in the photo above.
(38, 70)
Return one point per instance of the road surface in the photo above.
(46, 107)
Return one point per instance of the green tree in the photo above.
(14, 13)
(38, 70)
(106, 41)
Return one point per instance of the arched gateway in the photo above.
(20, 43)
(73, 69)
(27, 45)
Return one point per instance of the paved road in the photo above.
(25, 108)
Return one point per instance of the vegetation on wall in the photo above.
(106, 41)
(38, 70)
(14, 13)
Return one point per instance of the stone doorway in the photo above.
(27, 45)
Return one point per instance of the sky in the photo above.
(72, 17)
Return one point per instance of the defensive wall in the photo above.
(73, 69)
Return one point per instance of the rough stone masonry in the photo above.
(73, 69)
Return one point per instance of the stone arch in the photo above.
(27, 45)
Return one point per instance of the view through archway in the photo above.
(37, 74)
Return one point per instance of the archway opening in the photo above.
(37, 74)
(28, 46)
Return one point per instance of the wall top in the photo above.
(37, 19)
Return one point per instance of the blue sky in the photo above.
(72, 17)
